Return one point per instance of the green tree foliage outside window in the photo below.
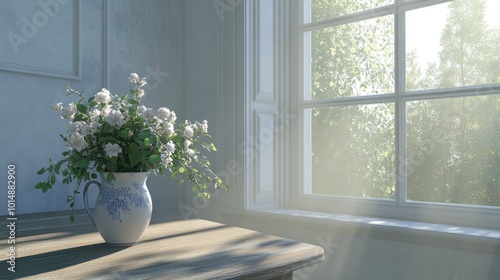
(452, 142)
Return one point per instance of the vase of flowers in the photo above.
(118, 138)
(123, 207)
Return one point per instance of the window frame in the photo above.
(400, 208)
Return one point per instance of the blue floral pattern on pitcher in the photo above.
(116, 200)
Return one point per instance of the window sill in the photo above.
(448, 236)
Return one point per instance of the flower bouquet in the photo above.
(108, 133)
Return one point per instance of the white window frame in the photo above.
(269, 121)
(400, 208)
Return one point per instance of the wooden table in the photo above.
(48, 246)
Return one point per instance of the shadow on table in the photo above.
(51, 261)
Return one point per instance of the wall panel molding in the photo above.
(266, 157)
(264, 41)
(105, 44)
(75, 73)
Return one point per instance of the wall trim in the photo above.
(105, 44)
(413, 246)
(75, 74)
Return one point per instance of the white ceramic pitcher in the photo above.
(123, 207)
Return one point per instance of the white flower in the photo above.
(141, 109)
(115, 119)
(149, 113)
(164, 113)
(95, 114)
(140, 92)
(166, 159)
(103, 96)
(73, 127)
(142, 82)
(168, 128)
(57, 106)
(173, 116)
(187, 143)
(86, 129)
(170, 147)
(94, 125)
(188, 131)
(204, 126)
(112, 150)
(106, 110)
(69, 111)
(190, 152)
(77, 141)
(134, 78)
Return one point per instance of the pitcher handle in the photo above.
(86, 200)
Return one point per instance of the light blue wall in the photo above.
(201, 77)
(87, 44)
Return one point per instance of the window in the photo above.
(398, 106)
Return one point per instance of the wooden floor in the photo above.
(48, 246)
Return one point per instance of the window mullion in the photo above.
(400, 108)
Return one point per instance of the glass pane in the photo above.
(458, 47)
(350, 60)
(316, 10)
(453, 150)
(352, 151)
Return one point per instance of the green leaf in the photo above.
(123, 134)
(84, 163)
(132, 110)
(154, 159)
(133, 153)
(81, 108)
(44, 186)
(53, 179)
(41, 171)
(147, 142)
(133, 101)
(145, 134)
(109, 139)
(181, 170)
(133, 148)
(39, 185)
(214, 148)
(79, 117)
(110, 177)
